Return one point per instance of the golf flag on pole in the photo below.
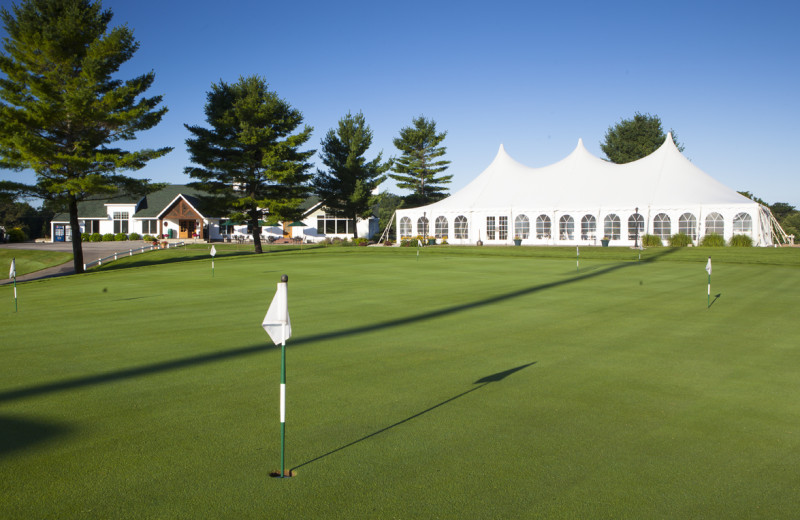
(708, 270)
(213, 254)
(279, 328)
(577, 258)
(12, 273)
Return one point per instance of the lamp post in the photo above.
(636, 236)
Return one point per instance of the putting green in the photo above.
(457, 384)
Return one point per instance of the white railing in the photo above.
(130, 252)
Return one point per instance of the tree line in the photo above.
(64, 115)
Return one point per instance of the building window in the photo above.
(742, 224)
(502, 228)
(687, 224)
(715, 224)
(422, 227)
(440, 228)
(490, 229)
(566, 228)
(588, 227)
(662, 226)
(120, 222)
(405, 227)
(635, 221)
(542, 226)
(461, 227)
(331, 224)
(522, 227)
(611, 227)
(91, 226)
(150, 227)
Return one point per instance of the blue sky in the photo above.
(534, 76)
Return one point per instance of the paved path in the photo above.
(91, 251)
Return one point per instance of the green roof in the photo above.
(155, 203)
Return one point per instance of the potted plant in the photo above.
(605, 240)
(517, 240)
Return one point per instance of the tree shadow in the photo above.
(18, 434)
(108, 377)
(493, 378)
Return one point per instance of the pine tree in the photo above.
(632, 139)
(417, 168)
(347, 186)
(250, 156)
(61, 108)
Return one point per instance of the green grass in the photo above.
(29, 261)
(152, 391)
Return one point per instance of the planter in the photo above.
(517, 241)
(431, 241)
(605, 242)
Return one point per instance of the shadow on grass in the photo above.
(716, 297)
(481, 382)
(69, 384)
(18, 434)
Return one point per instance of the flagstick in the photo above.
(577, 258)
(212, 268)
(15, 293)
(283, 400)
(709, 292)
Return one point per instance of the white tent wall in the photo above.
(671, 194)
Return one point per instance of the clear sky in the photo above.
(534, 76)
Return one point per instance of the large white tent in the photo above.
(583, 199)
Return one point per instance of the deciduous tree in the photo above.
(632, 139)
(62, 109)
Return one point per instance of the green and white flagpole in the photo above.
(279, 327)
(213, 254)
(577, 258)
(708, 270)
(12, 273)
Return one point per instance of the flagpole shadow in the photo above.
(716, 297)
(482, 382)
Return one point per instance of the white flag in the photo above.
(12, 273)
(213, 251)
(708, 266)
(278, 316)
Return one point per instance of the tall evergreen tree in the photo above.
(417, 168)
(61, 108)
(250, 156)
(632, 139)
(347, 186)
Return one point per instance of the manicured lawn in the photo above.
(29, 261)
(463, 383)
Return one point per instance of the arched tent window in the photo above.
(522, 226)
(461, 227)
(635, 221)
(566, 228)
(742, 224)
(687, 224)
(588, 227)
(405, 227)
(542, 226)
(662, 226)
(422, 227)
(611, 226)
(715, 224)
(441, 227)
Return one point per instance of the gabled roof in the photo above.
(154, 204)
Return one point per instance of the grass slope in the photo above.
(29, 261)
(487, 385)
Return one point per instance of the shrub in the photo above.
(411, 242)
(651, 241)
(360, 241)
(16, 234)
(119, 237)
(96, 237)
(148, 238)
(443, 242)
(680, 240)
(108, 237)
(134, 236)
(713, 240)
(741, 241)
(85, 237)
